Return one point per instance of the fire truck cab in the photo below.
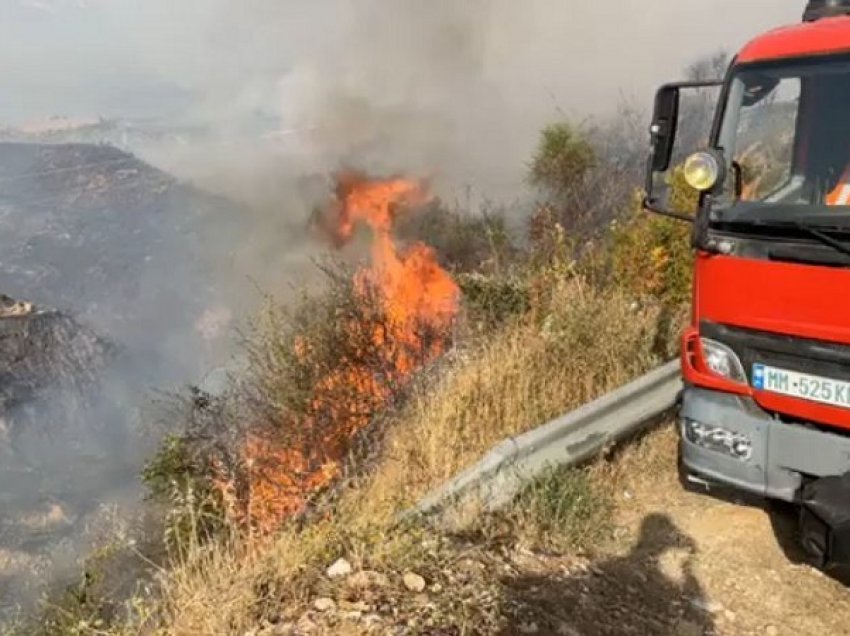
(766, 356)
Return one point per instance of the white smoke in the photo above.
(454, 89)
(447, 87)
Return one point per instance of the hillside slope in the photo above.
(95, 231)
(117, 259)
(679, 563)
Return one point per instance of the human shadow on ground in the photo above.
(651, 590)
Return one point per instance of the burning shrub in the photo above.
(319, 374)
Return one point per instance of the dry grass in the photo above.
(648, 461)
(585, 344)
(647, 466)
(590, 343)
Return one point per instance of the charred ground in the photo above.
(108, 270)
(95, 231)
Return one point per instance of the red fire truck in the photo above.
(766, 357)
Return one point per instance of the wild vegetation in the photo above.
(547, 321)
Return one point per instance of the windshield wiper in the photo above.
(817, 232)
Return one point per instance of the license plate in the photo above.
(801, 385)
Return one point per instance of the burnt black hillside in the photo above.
(108, 291)
(96, 232)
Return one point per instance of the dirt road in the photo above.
(685, 563)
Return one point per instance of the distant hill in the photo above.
(94, 231)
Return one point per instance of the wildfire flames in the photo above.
(414, 291)
(416, 302)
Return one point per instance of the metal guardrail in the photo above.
(568, 440)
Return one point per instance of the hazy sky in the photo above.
(173, 56)
(453, 89)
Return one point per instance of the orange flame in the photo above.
(414, 290)
(418, 301)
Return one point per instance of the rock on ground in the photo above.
(340, 567)
(414, 582)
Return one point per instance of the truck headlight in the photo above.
(721, 360)
(718, 439)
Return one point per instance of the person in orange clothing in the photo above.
(840, 195)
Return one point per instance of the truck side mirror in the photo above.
(665, 121)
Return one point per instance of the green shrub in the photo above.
(651, 255)
(179, 479)
(492, 301)
(561, 161)
(562, 170)
(564, 509)
(463, 241)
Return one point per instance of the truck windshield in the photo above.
(786, 127)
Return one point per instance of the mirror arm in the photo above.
(713, 83)
(650, 206)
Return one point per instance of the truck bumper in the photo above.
(781, 454)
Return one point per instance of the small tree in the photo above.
(708, 67)
(562, 160)
(561, 170)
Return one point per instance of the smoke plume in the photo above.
(454, 89)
